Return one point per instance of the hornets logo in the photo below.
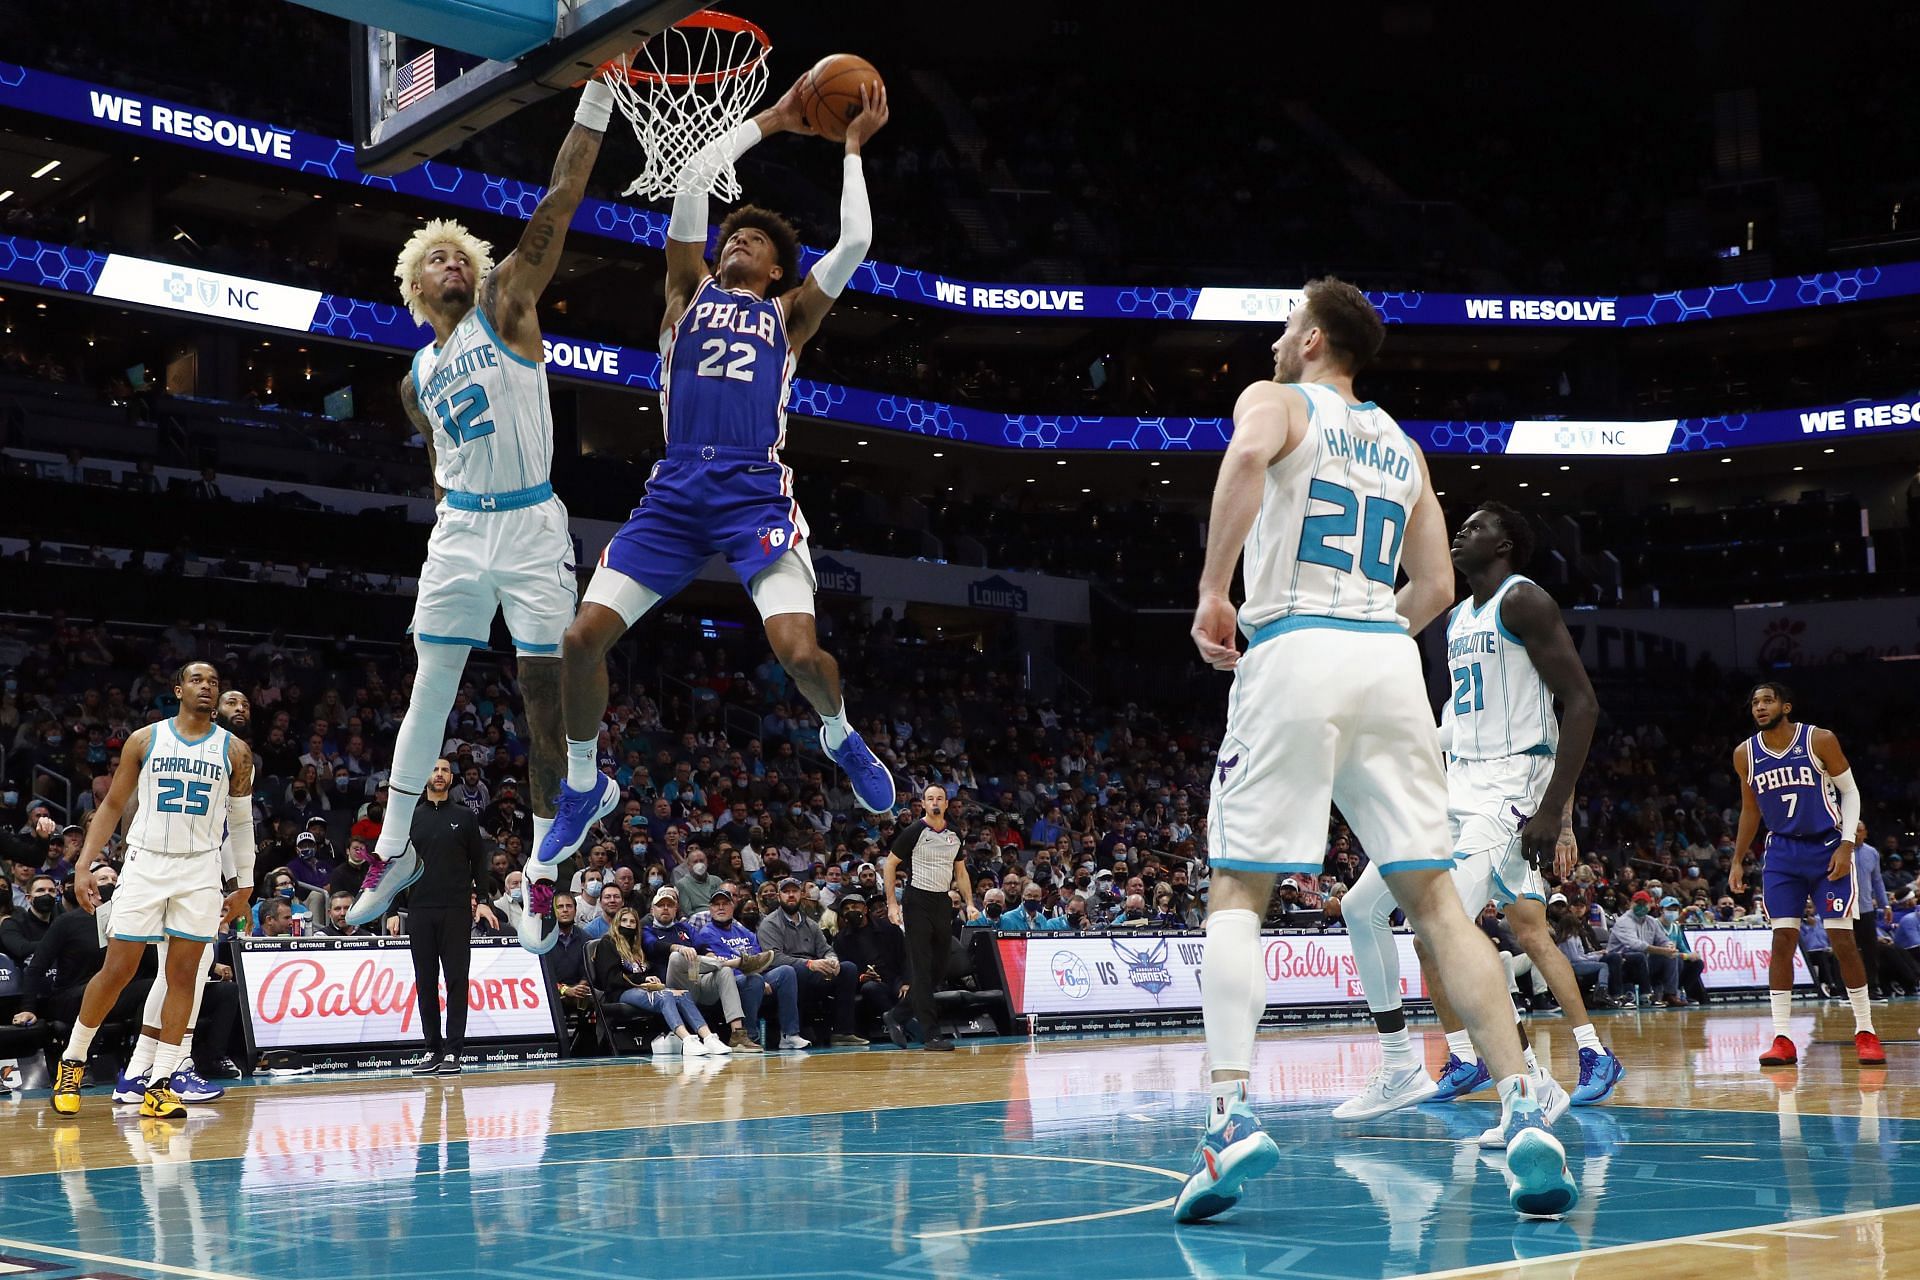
(1147, 967)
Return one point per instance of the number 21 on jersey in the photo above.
(1469, 690)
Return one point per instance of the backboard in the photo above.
(413, 100)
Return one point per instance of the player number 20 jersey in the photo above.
(1327, 540)
(488, 409)
(1497, 701)
(183, 792)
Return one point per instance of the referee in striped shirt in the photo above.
(935, 864)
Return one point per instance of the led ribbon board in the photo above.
(63, 97)
(217, 296)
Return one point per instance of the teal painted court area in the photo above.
(346, 1185)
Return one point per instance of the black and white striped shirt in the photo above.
(928, 855)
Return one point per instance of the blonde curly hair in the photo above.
(438, 232)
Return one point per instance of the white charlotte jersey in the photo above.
(1326, 543)
(1499, 705)
(492, 422)
(183, 792)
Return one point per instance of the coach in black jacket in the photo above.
(440, 915)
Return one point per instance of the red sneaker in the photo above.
(1783, 1054)
(1867, 1046)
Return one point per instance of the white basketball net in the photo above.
(689, 87)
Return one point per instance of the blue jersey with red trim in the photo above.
(726, 369)
(1796, 797)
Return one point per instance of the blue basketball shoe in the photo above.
(873, 783)
(191, 1088)
(1539, 1184)
(1459, 1079)
(1229, 1155)
(129, 1089)
(573, 813)
(1599, 1073)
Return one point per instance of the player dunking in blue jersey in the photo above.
(729, 341)
(1795, 778)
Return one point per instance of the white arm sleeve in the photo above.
(689, 221)
(237, 853)
(1849, 805)
(833, 270)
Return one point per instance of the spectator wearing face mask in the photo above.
(993, 905)
(623, 976)
(1642, 942)
(607, 899)
(24, 929)
(696, 887)
(876, 948)
(1031, 915)
(281, 886)
(1691, 966)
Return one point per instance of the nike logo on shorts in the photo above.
(761, 471)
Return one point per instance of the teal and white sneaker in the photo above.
(1548, 1096)
(1539, 1185)
(1229, 1155)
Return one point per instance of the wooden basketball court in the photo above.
(1006, 1159)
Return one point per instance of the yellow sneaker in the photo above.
(66, 1087)
(67, 1155)
(160, 1102)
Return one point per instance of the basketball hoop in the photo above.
(689, 86)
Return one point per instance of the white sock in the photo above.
(1862, 1001)
(1460, 1045)
(1222, 1095)
(1789, 1115)
(581, 767)
(142, 1060)
(1533, 1063)
(1782, 1002)
(166, 1061)
(1512, 1090)
(1396, 1050)
(1229, 969)
(79, 1043)
(1586, 1037)
(834, 729)
(536, 869)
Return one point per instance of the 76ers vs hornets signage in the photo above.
(1143, 972)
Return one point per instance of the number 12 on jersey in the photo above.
(460, 414)
(1467, 684)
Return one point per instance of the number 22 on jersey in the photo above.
(715, 350)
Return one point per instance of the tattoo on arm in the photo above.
(530, 267)
(410, 404)
(241, 781)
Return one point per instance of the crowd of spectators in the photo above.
(745, 848)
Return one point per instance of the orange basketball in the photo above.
(830, 93)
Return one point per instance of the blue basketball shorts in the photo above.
(736, 504)
(1796, 870)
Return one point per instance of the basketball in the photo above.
(830, 95)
